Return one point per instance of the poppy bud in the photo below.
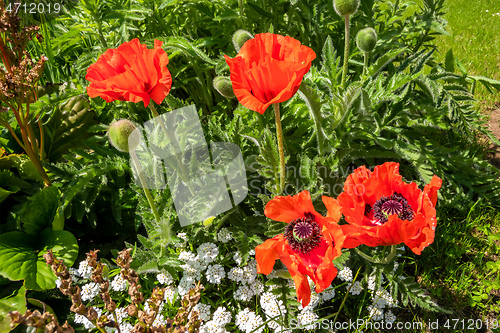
(119, 135)
(366, 39)
(240, 37)
(345, 7)
(224, 86)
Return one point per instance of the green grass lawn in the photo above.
(474, 28)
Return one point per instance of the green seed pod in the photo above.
(119, 134)
(224, 86)
(346, 7)
(240, 37)
(366, 39)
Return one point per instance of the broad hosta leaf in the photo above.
(14, 302)
(21, 256)
(38, 213)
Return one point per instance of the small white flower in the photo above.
(169, 294)
(307, 318)
(165, 278)
(187, 256)
(371, 282)
(376, 313)
(126, 328)
(159, 321)
(74, 274)
(58, 282)
(236, 274)
(255, 324)
(215, 274)
(257, 287)
(356, 288)
(242, 319)
(183, 236)
(251, 252)
(119, 283)
(224, 235)
(244, 293)
(237, 257)
(185, 284)
(203, 311)
(390, 317)
(89, 291)
(396, 265)
(328, 293)
(207, 252)
(84, 269)
(345, 274)
(222, 316)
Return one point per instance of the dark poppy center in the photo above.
(394, 204)
(304, 234)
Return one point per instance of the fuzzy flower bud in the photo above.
(346, 7)
(224, 86)
(366, 39)
(239, 38)
(122, 136)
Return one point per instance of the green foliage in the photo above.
(21, 255)
(15, 301)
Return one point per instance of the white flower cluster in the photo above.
(165, 278)
(196, 264)
(355, 288)
(247, 321)
(84, 270)
(207, 252)
(119, 283)
(89, 291)
(224, 235)
(247, 277)
(345, 274)
(328, 293)
(169, 294)
(215, 274)
(381, 300)
(307, 318)
(274, 310)
(79, 319)
(220, 319)
(203, 311)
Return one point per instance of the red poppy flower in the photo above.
(131, 73)
(268, 70)
(381, 209)
(308, 245)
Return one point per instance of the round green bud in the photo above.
(224, 86)
(122, 136)
(366, 39)
(239, 38)
(346, 7)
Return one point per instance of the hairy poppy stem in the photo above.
(279, 134)
(146, 191)
(365, 67)
(346, 50)
(384, 261)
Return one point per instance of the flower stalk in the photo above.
(383, 261)
(346, 50)
(279, 134)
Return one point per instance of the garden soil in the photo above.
(494, 125)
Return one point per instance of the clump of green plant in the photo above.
(143, 313)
